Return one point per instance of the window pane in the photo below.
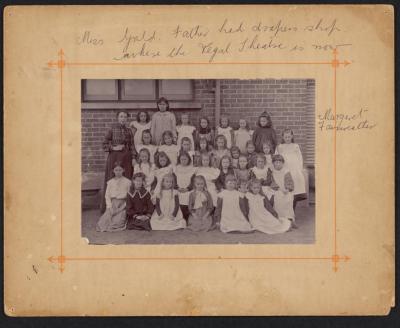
(176, 89)
(100, 90)
(138, 90)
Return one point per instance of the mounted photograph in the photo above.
(198, 161)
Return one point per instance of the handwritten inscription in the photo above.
(345, 122)
(238, 37)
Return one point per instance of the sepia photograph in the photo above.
(194, 161)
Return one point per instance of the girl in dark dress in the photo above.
(118, 143)
(139, 206)
(264, 133)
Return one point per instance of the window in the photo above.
(136, 90)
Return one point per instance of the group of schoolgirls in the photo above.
(202, 179)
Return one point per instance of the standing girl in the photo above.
(242, 135)
(266, 147)
(163, 167)
(220, 150)
(114, 218)
(203, 148)
(210, 174)
(230, 213)
(204, 131)
(142, 123)
(186, 146)
(264, 132)
(282, 184)
(167, 214)
(144, 166)
(225, 130)
(185, 130)
(251, 154)
(139, 206)
(200, 206)
(262, 216)
(162, 121)
(146, 144)
(169, 147)
(242, 173)
(184, 173)
(294, 162)
(225, 168)
(118, 143)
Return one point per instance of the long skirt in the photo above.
(113, 222)
(123, 156)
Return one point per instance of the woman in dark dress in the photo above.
(118, 143)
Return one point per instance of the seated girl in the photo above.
(139, 207)
(168, 147)
(200, 206)
(167, 214)
(225, 167)
(230, 213)
(210, 174)
(114, 218)
(261, 214)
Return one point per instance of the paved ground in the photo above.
(305, 219)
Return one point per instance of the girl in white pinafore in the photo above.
(294, 163)
(210, 174)
(142, 123)
(167, 214)
(260, 172)
(283, 185)
(163, 167)
(144, 166)
(230, 213)
(262, 216)
(184, 173)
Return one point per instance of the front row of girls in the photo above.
(200, 198)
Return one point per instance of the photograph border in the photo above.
(61, 64)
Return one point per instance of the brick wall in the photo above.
(290, 103)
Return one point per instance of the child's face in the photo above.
(287, 137)
(220, 143)
(199, 185)
(138, 183)
(235, 154)
(224, 122)
(167, 139)
(118, 171)
(243, 187)
(184, 160)
(263, 121)
(122, 118)
(203, 123)
(205, 161)
(162, 106)
(143, 157)
(142, 117)
(163, 161)
(203, 144)
(185, 119)
(266, 149)
(186, 146)
(251, 148)
(278, 165)
(242, 162)
(242, 124)
(255, 188)
(230, 185)
(146, 138)
(168, 182)
(225, 163)
(260, 163)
